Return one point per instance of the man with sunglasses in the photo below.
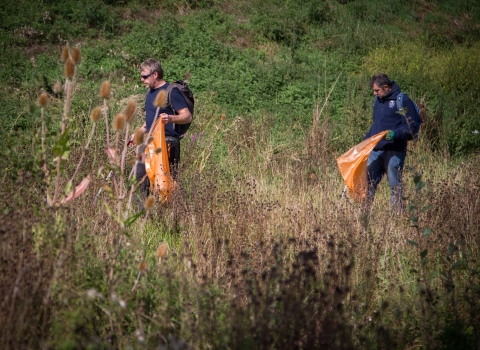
(173, 114)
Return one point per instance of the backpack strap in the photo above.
(400, 100)
(169, 91)
(169, 102)
(187, 100)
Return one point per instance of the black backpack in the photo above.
(188, 96)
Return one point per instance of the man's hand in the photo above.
(166, 118)
(390, 135)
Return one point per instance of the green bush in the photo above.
(448, 82)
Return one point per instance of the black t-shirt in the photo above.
(177, 101)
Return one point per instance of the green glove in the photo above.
(390, 135)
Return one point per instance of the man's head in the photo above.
(381, 85)
(151, 73)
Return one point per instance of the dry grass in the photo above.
(261, 254)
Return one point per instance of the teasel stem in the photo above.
(57, 180)
(133, 188)
(136, 281)
(151, 127)
(134, 168)
(66, 108)
(148, 205)
(122, 166)
(125, 147)
(68, 102)
(43, 135)
(83, 155)
(106, 122)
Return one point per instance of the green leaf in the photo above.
(412, 243)
(424, 261)
(427, 232)
(458, 264)
(476, 289)
(443, 274)
(62, 147)
(411, 207)
(107, 208)
(424, 209)
(413, 271)
(424, 253)
(417, 178)
(420, 185)
(133, 218)
(452, 249)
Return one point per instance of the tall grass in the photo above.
(257, 249)
(263, 256)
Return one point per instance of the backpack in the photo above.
(417, 119)
(187, 95)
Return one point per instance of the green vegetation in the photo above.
(262, 253)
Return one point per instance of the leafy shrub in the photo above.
(448, 82)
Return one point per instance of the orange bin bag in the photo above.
(156, 163)
(353, 166)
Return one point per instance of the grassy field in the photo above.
(257, 249)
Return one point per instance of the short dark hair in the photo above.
(381, 80)
(152, 65)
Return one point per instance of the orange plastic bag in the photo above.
(353, 166)
(157, 165)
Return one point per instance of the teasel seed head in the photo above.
(69, 68)
(105, 89)
(130, 111)
(96, 114)
(162, 250)
(43, 99)
(142, 267)
(149, 202)
(76, 55)
(57, 87)
(119, 124)
(161, 99)
(138, 138)
(65, 53)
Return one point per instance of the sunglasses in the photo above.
(146, 75)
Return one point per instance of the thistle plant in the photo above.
(61, 148)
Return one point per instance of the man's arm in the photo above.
(183, 116)
(404, 131)
(144, 127)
